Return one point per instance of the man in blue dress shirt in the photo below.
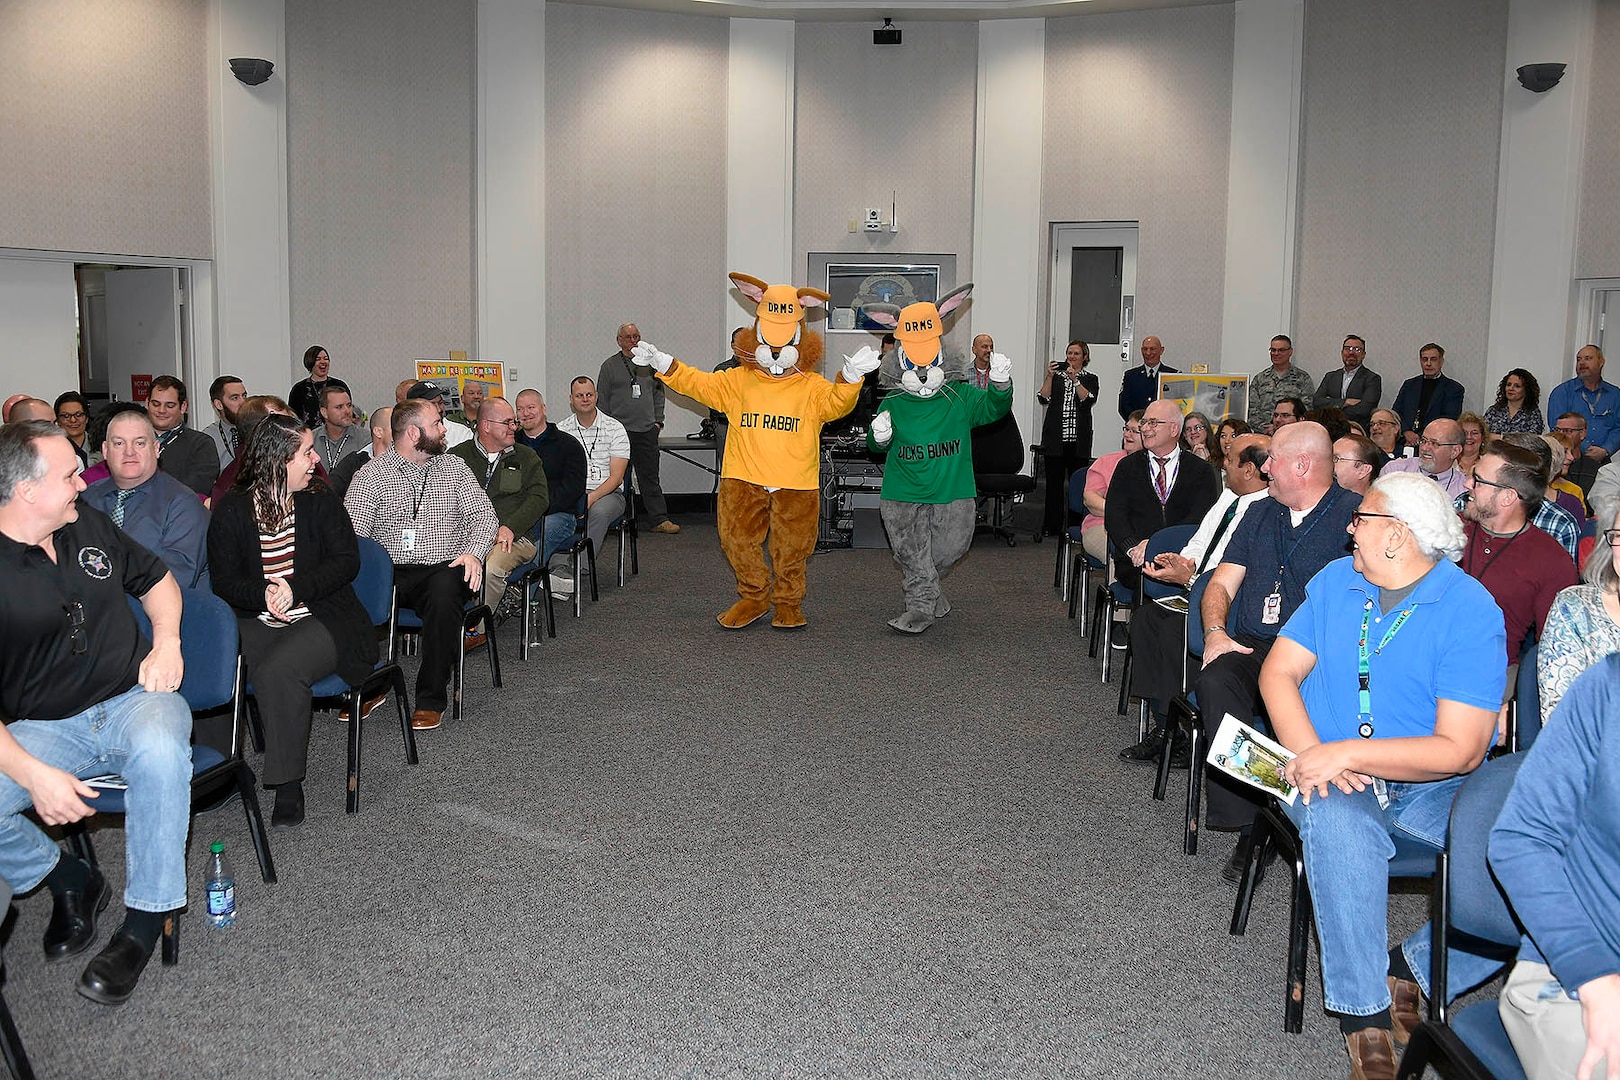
(1598, 401)
(157, 511)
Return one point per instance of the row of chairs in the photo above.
(1474, 1042)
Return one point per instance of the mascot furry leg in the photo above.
(927, 540)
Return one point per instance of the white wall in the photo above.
(1403, 106)
(380, 122)
(39, 351)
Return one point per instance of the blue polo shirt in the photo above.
(1600, 407)
(1450, 647)
(1267, 541)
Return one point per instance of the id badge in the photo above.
(1271, 610)
(407, 538)
(635, 389)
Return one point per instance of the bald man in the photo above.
(1141, 384)
(629, 393)
(32, 408)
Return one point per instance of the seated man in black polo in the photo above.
(563, 458)
(1283, 542)
(86, 692)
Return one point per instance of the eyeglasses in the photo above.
(1611, 537)
(1152, 423)
(1431, 443)
(1358, 516)
(75, 613)
(1351, 460)
(502, 423)
(1383, 423)
(70, 415)
(1353, 348)
(1478, 479)
(1274, 352)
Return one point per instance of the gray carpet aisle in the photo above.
(668, 850)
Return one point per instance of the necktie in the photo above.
(118, 507)
(1161, 482)
(1220, 531)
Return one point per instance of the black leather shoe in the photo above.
(1181, 754)
(111, 975)
(1147, 750)
(72, 928)
(289, 809)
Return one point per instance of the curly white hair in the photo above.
(1425, 509)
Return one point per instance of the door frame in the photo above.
(1062, 237)
(198, 349)
(1586, 313)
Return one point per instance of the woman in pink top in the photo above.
(1093, 537)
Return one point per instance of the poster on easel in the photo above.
(457, 373)
(1216, 396)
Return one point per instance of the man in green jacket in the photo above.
(515, 481)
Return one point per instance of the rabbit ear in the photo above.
(883, 318)
(810, 298)
(751, 287)
(953, 299)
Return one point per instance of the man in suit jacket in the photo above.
(1155, 487)
(1355, 387)
(1141, 384)
(1429, 396)
(184, 453)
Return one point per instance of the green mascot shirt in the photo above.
(930, 457)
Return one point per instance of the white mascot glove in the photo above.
(1000, 369)
(647, 355)
(865, 361)
(882, 428)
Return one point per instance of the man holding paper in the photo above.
(1386, 708)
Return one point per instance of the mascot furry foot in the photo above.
(742, 613)
(912, 622)
(788, 616)
(942, 607)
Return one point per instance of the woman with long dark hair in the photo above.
(282, 553)
(1069, 393)
(1518, 405)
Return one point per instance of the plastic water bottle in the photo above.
(221, 887)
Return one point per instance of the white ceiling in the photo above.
(899, 10)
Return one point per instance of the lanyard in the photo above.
(416, 507)
(326, 442)
(1283, 565)
(1364, 668)
(489, 473)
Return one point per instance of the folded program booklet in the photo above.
(1177, 604)
(1246, 754)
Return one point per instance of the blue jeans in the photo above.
(559, 534)
(147, 738)
(1348, 846)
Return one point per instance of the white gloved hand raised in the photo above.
(858, 366)
(882, 428)
(1000, 369)
(648, 355)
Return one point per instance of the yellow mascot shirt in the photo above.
(775, 438)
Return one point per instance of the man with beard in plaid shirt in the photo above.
(428, 510)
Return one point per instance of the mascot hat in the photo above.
(919, 327)
(779, 318)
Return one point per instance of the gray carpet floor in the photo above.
(663, 849)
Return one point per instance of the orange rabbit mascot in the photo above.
(769, 483)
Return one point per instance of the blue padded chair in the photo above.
(1272, 828)
(1470, 910)
(1184, 712)
(406, 622)
(1170, 538)
(374, 585)
(1110, 598)
(208, 645)
(1074, 566)
(623, 526)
